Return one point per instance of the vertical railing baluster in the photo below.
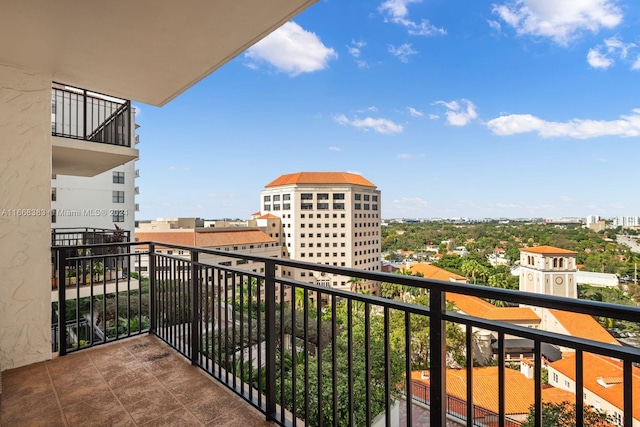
(537, 400)
(270, 338)
(438, 349)
(153, 302)
(627, 373)
(469, 366)
(387, 368)
(501, 380)
(195, 312)
(62, 302)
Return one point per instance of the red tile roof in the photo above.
(205, 239)
(474, 306)
(485, 389)
(436, 273)
(320, 178)
(548, 250)
(603, 368)
(583, 326)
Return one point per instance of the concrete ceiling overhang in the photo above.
(145, 50)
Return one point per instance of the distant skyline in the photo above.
(515, 109)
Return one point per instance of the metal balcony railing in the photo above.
(90, 116)
(305, 354)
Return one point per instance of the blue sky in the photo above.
(526, 108)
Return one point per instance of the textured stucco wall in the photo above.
(25, 183)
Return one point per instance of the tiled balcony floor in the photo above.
(136, 382)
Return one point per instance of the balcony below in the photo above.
(135, 382)
(77, 157)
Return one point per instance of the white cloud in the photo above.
(354, 49)
(561, 21)
(372, 108)
(597, 59)
(338, 149)
(291, 49)
(625, 126)
(602, 56)
(396, 11)
(434, 116)
(404, 156)
(172, 168)
(458, 115)
(402, 52)
(414, 112)
(636, 64)
(494, 25)
(380, 125)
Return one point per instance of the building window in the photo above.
(267, 207)
(286, 197)
(54, 194)
(374, 207)
(366, 197)
(358, 206)
(306, 206)
(118, 197)
(276, 198)
(267, 198)
(306, 196)
(322, 206)
(366, 206)
(287, 206)
(322, 196)
(118, 177)
(338, 196)
(374, 198)
(276, 206)
(338, 206)
(357, 196)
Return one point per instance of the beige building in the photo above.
(548, 271)
(70, 47)
(330, 218)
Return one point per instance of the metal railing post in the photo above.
(195, 310)
(270, 338)
(438, 357)
(62, 303)
(153, 322)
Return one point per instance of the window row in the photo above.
(365, 207)
(276, 197)
(326, 225)
(277, 207)
(319, 254)
(320, 216)
(365, 197)
(303, 235)
(326, 245)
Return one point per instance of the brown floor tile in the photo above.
(69, 363)
(178, 418)
(129, 376)
(194, 389)
(80, 385)
(32, 412)
(96, 406)
(213, 404)
(148, 409)
(116, 418)
(135, 391)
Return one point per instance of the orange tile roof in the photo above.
(604, 368)
(547, 250)
(210, 239)
(268, 216)
(320, 178)
(206, 239)
(174, 237)
(520, 389)
(474, 306)
(436, 273)
(583, 326)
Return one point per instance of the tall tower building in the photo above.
(549, 271)
(329, 218)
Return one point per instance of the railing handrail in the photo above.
(120, 110)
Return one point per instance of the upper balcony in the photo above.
(303, 354)
(91, 132)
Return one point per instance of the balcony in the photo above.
(91, 132)
(320, 356)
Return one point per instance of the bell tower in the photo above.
(548, 270)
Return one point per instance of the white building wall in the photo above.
(25, 141)
(348, 236)
(89, 201)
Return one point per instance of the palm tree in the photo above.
(356, 284)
